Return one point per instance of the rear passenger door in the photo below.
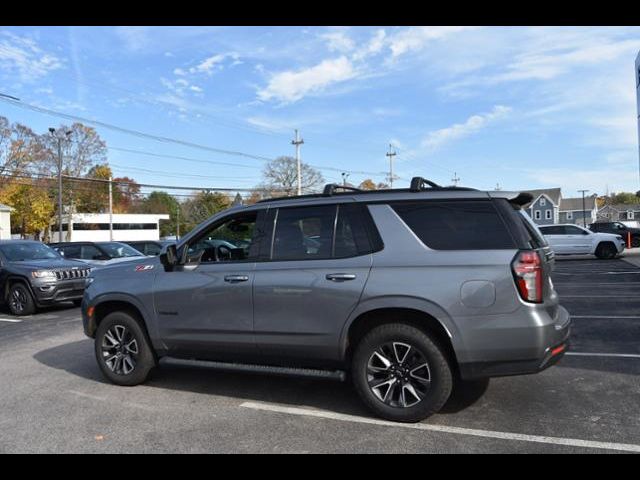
(311, 279)
(557, 239)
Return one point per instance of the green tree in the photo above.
(162, 202)
(203, 205)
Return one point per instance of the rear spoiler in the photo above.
(517, 198)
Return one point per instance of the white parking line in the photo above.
(572, 442)
(607, 316)
(613, 355)
(10, 320)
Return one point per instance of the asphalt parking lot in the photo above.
(54, 399)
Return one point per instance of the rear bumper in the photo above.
(551, 341)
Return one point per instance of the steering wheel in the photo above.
(223, 252)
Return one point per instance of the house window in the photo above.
(630, 215)
(537, 214)
(569, 215)
(543, 201)
(547, 214)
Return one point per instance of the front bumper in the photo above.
(48, 293)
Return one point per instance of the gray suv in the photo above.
(407, 291)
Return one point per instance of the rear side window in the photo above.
(552, 230)
(456, 225)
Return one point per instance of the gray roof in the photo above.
(554, 194)
(575, 204)
(623, 207)
(5, 208)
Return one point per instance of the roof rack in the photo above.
(331, 188)
(418, 184)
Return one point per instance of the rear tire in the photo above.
(635, 242)
(20, 300)
(122, 350)
(398, 383)
(606, 251)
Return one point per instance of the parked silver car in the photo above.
(405, 289)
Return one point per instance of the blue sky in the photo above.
(523, 107)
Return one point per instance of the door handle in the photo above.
(340, 277)
(236, 278)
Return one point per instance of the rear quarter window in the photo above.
(456, 225)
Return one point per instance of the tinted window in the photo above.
(71, 251)
(234, 239)
(569, 230)
(89, 252)
(118, 250)
(462, 225)
(304, 233)
(554, 230)
(152, 249)
(352, 234)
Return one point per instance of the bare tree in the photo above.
(281, 174)
(20, 151)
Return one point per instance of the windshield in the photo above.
(20, 252)
(119, 250)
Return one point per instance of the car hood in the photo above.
(113, 261)
(49, 264)
(609, 236)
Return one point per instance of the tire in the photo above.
(606, 251)
(20, 300)
(121, 360)
(77, 303)
(635, 242)
(430, 386)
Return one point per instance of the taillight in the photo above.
(527, 269)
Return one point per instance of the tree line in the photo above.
(29, 164)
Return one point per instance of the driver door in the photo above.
(205, 307)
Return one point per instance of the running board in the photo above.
(265, 369)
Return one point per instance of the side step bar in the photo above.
(251, 368)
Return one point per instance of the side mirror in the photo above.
(169, 257)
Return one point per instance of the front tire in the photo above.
(606, 251)
(401, 373)
(20, 300)
(122, 350)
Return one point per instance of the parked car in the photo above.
(618, 228)
(97, 253)
(32, 275)
(150, 248)
(574, 240)
(405, 289)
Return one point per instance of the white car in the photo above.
(574, 240)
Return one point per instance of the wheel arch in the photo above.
(11, 279)
(410, 310)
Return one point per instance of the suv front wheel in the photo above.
(20, 300)
(122, 350)
(401, 374)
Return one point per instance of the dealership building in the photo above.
(95, 227)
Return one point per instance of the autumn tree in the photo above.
(162, 202)
(281, 174)
(32, 206)
(369, 184)
(20, 151)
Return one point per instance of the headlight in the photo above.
(43, 274)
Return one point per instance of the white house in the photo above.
(5, 222)
(94, 227)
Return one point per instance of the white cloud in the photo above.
(473, 124)
(214, 62)
(416, 38)
(338, 41)
(24, 57)
(290, 86)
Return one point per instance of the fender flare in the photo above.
(12, 278)
(407, 302)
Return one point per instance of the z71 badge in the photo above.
(143, 268)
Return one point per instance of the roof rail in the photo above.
(331, 188)
(418, 183)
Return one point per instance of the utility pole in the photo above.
(584, 210)
(297, 142)
(344, 178)
(391, 154)
(178, 221)
(52, 131)
(455, 179)
(110, 209)
(498, 187)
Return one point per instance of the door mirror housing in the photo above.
(169, 257)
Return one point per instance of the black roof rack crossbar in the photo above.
(418, 183)
(330, 189)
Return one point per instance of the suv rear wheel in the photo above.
(606, 251)
(122, 350)
(20, 300)
(400, 373)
